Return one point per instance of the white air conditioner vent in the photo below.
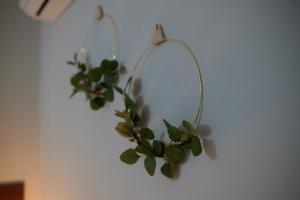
(44, 10)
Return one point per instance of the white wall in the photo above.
(19, 57)
(249, 54)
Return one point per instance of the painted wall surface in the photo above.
(19, 57)
(249, 55)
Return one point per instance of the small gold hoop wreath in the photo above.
(97, 83)
(182, 140)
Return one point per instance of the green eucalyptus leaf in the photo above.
(123, 114)
(94, 75)
(133, 109)
(129, 156)
(104, 65)
(109, 94)
(147, 133)
(97, 103)
(71, 63)
(75, 57)
(196, 146)
(113, 65)
(76, 79)
(75, 91)
(145, 148)
(103, 85)
(82, 67)
(158, 148)
(128, 101)
(119, 90)
(139, 148)
(187, 145)
(127, 83)
(189, 127)
(175, 134)
(147, 144)
(167, 124)
(150, 164)
(168, 170)
(134, 116)
(85, 88)
(109, 79)
(175, 154)
(124, 129)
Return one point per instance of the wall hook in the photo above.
(100, 13)
(158, 35)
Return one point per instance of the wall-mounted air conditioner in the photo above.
(44, 10)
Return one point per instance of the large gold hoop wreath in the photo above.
(182, 140)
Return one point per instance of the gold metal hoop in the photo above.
(148, 51)
(86, 43)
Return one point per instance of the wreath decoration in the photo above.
(97, 83)
(182, 140)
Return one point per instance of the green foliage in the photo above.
(124, 129)
(109, 94)
(77, 79)
(168, 170)
(124, 114)
(186, 145)
(104, 65)
(150, 164)
(131, 107)
(158, 148)
(109, 79)
(118, 89)
(113, 65)
(74, 92)
(129, 156)
(129, 104)
(94, 74)
(71, 63)
(196, 146)
(127, 83)
(189, 127)
(147, 133)
(97, 103)
(175, 134)
(82, 67)
(145, 148)
(174, 153)
(97, 83)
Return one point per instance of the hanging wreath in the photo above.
(97, 83)
(182, 140)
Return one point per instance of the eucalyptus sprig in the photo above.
(182, 140)
(96, 83)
